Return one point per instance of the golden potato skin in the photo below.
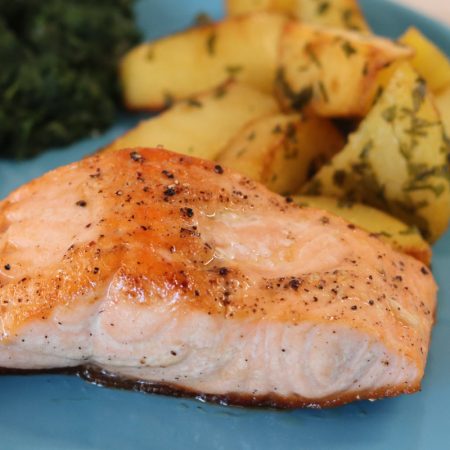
(429, 60)
(281, 151)
(331, 72)
(336, 13)
(442, 100)
(396, 160)
(200, 126)
(199, 59)
(345, 14)
(402, 237)
(240, 7)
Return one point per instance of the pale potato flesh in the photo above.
(240, 7)
(396, 160)
(344, 14)
(442, 101)
(337, 13)
(179, 66)
(203, 125)
(331, 72)
(281, 151)
(429, 60)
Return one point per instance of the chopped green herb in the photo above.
(150, 55)
(410, 230)
(312, 56)
(277, 129)
(315, 187)
(378, 94)
(390, 113)
(348, 48)
(418, 126)
(298, 100)
(323, 91)
(359, 168)
(347, 17)
(291, 132)
(202, 19)
(365, 150)
(445, 149)
(194, 102)
(339, 177)
(437, 189)
(345, 203)
(168, 100)
(233, 70)
(211, 43)
(301, 99)
(421, 172)
(365, 69)
(419, 93)
(220, 91)
(383, 233)
(315, 164)
(322, 8)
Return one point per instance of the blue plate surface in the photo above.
(62, 412)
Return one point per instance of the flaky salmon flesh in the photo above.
(165, 273)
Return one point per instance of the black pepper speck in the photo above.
(170, 191)
(218, 169)
(188, 212)
(135, 156)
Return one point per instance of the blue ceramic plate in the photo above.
(62, 412)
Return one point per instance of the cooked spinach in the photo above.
(59, 81)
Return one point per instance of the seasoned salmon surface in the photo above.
(169, 273)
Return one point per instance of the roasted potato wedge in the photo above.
(330, 72)
(179, 66)
(281, 151)
(396, 160)
(240, 7)
(443, 105)
(202, 125)
(344, 14)
(337, 13)
(402, 237)
(430, 62)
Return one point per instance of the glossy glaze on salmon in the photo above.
(172, 274)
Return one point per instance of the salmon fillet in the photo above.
(165, 273)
